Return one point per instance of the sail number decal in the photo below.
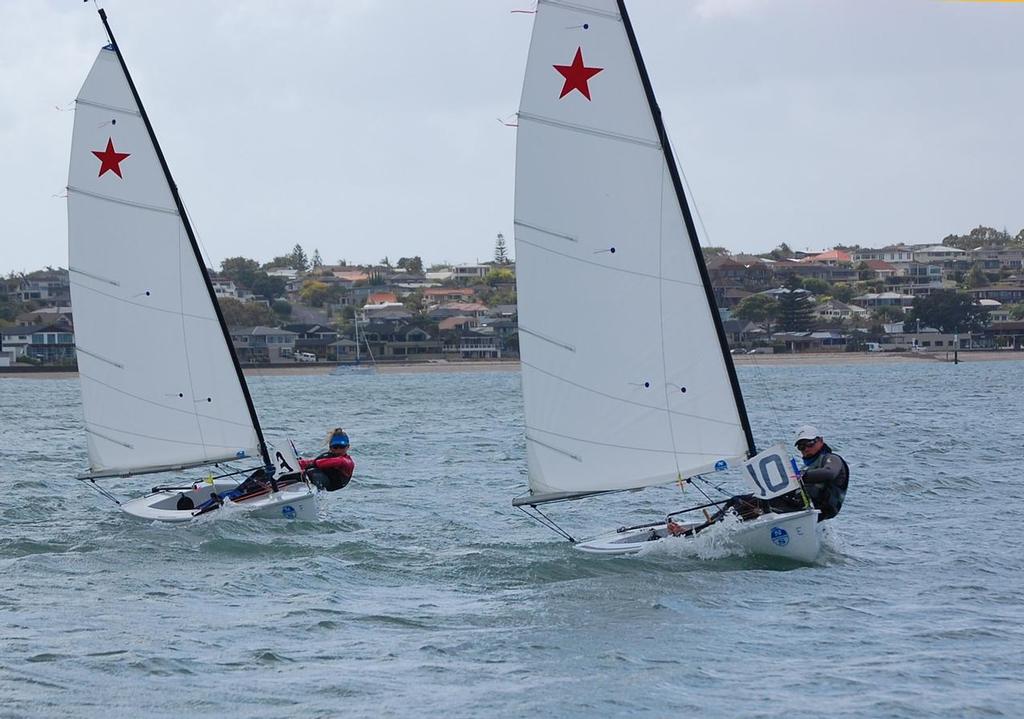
(770, 473)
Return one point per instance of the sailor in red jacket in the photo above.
(333, 469)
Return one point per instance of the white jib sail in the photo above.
(159, 388)
(624, 380)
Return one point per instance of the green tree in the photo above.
(317, 262)
(796, 314)
(314, 293)
(281, 308)
(240, 270)
(781, 252)
(816, 286)
(976, 277)
(413, 265)
(760, 309)
(949, 312)
(710, 252)
(888, 313)
(499, 276)
(500, 250)
(843, 292)
(266, 286)
(245, 314)
(299, 260)
(1016, 311)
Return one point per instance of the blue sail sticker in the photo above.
(288, 511)
(240, 453)
(780, 536)
(721, 465)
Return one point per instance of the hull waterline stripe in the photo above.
(118, 201)
(583, 129)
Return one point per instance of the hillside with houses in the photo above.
(965, 292)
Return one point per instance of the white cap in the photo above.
(805, 431)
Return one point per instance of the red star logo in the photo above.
(576, 75)
(110, 159)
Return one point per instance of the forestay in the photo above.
(625, 380)
(159, 384)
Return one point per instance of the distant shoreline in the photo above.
(782, 360)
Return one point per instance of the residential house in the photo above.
(313, 338)
(262, 345)
(400, 340)
(438, 295)
(833, 309)
(893, 254)
(49, 287)
(470, 344)
(832, 257)
(56, 315)
(469, 271)
(1010, 292)
(871, 300)
(452, 309)
(49, 344)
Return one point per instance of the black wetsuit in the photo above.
(826, 477)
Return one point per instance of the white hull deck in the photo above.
(794, 535)
(293, 501)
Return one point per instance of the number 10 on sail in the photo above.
(771, 473)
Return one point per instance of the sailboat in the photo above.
(162, 389)
(358, 366)
(626, 374)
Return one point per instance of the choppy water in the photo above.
(424, 593)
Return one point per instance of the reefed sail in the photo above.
(625, 380)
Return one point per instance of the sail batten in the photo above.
(161, 388)
(648, 395)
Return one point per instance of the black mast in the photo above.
(691, 229)
(195, 247)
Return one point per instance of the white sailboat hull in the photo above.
(293, 501)
(794, 535)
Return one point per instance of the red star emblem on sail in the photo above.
(110, 159)
(577, 75)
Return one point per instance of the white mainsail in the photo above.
(625, 380)
(159, 384)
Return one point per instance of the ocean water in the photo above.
(423, 593)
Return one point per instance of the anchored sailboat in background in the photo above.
(627, 378)
(162, 389)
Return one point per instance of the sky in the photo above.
(372, 128)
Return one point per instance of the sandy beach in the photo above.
(763, 360)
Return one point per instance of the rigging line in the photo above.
(185, 348)
(623, 399)
(157, 404)
(661, 322)
(106, 493)
(546, 522)
(758, 369)
(637, 273)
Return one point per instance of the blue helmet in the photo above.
(339, 439)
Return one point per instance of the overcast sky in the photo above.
(365, 128)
